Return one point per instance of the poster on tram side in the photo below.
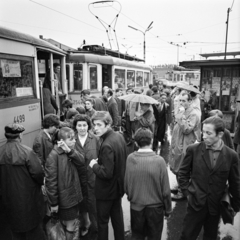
(226, 84)
(216, 84)
(10, 68)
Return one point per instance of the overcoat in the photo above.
(206, 185)
(110, 170)
(89, 152)
(21, 177)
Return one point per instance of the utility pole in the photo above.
(144, 41)
(228, 11)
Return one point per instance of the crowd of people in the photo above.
(83, 162)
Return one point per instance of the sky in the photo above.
(200, 24)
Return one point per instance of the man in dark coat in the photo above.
(112, 108)
(43, 143)
(49, 102)
(110, 170)
(121, 105)
(203, 175)
(21, 178)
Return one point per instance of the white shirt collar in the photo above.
(47, 134)
(145, 150)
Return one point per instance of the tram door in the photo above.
(107, 76)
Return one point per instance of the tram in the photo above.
(95, 67)
(24, 63)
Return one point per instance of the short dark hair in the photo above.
(56, 65)
(83, 118)
(50, 120)
(110, 91)
(67, 103)
(103, 116)
(129, 89)
(81, 109)
(163, 94)
(216, 113)
(150, 86)
(64, 133)
(154, 89)
(85, 92)
(193, 94)
(217, 122)
(118, 90)
(143, 137)
(91, 100)
(189, 96)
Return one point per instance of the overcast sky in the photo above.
(199, 23)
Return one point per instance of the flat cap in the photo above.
(13, 129)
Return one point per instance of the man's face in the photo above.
(163, 99)
(52, 129)
(209, 134)
(57, 69)
(100, 127)
(129, 92)
(184, 101)
(144, 106)
(119, 93)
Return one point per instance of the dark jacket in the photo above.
(49, 102)
(100, 104)
(206, 185)
(121, 109)
(113, 110)
(227, 139)
(147, 120)
(21, 177)
(161, 122)
(62, 182)
(89, 151)
(237, 132)
(42, 146)
(111, 166)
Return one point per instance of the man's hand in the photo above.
(93, 162)
(54, 209)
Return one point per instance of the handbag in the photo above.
(226, 209)
(55, 229)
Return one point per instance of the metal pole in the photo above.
(144, 49)
(226, 34)
(177, 54)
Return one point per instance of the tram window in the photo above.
(146, 79)
(93, 77)
(78, 77)
(16, 77)
(119, 80)
(139, 79)
(130, 79)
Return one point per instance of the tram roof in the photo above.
(26, 38)
(103, 59)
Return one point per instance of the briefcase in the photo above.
(226, 209)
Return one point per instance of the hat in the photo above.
(71, 113)
(13, 129)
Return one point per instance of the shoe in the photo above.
(84, 230)
(178, 197)
(174, 189)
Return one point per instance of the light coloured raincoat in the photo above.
(186, 131)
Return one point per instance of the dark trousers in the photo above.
(37, 234)
(195, 220)
(147, 222)
(110, 209)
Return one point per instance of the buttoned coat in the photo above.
(110, 170)
(206, 185)
(21, 177)
(89, 152)
(113, 110)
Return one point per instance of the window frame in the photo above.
(20, 58)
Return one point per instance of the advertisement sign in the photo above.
(24, 91)
(10, 68)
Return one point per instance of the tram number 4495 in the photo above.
(19, 119)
